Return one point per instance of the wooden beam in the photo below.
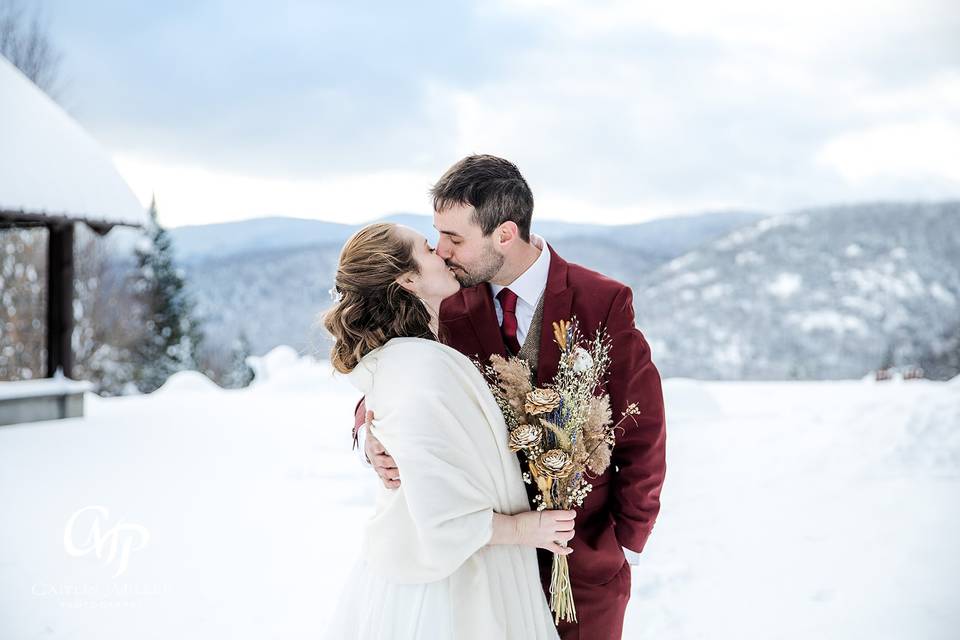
(60, 299)
(10, 218)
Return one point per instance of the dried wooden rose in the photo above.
(524, 436)
(542, 401)
(555, 463)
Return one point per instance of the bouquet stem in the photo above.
(561, 594)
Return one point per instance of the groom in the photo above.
(515, 287)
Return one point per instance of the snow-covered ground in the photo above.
(790, 510)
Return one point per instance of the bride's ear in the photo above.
(407, 281)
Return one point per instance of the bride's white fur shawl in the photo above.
(435, 415)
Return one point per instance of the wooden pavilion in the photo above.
(53, 174)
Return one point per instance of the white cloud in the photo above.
(938, 96)
(196, 195)
(912, 150)
(643, 107)
(810, 28)
(616, 111)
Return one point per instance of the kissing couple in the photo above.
(455, 548)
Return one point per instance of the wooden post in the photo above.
(60, 298)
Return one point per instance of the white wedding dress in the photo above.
(424, 570)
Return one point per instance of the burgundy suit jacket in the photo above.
(621, 509)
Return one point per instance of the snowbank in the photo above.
(784, 514)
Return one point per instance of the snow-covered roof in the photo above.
(50, 166)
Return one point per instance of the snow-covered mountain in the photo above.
(203, 242)
(666, 237)
(270, 277)
(832, 292)
(825, 293)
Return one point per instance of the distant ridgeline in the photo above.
(826, 293)
(833, 292)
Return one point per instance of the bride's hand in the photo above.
(548, 529)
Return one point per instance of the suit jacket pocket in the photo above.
(597, 555)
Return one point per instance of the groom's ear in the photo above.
(507, 231)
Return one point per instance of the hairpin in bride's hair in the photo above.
(335, 294)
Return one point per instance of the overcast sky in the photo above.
(614, 111)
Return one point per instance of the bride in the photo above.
(451, 553)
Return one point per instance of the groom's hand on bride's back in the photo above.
(382, 462)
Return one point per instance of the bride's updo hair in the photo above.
(373, 308)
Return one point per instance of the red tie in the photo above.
(508, 328)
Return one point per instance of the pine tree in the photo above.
(888, 361)
(173, 335)
(942, 360)
(240, 374)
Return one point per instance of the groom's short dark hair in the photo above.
(495, 189)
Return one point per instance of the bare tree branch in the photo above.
(24, 41)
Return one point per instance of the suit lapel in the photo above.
(557, 305)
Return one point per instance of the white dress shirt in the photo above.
(528, 286)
